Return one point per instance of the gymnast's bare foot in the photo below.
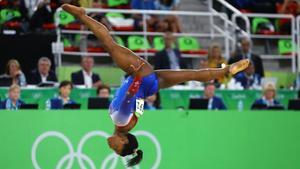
(238, 66)
(74, 10)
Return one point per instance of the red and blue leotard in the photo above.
(123, 104)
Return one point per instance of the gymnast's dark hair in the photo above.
(131, 148)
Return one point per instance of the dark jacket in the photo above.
(261, 101)
(78, 79)
(255, 59)
(35, 77)
(162, 61)
(218, 103)
(248, 82)
(57, 103)
(4, 103)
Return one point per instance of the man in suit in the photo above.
(214, 102)
(169, 58)
(86, 76)
(246, 54)
(42, 73)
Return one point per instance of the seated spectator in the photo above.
(268, 98)
(152, 102)
(247, 54)
(86, 76)
(103, 91)
(248, 78)
(171, 21)
(214, 102)
(170, 57)
(288, 7)
(43, 73)
(13, 70)
(216, 60)
(63, 98)
(13, 101)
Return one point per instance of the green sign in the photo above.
(170, 140)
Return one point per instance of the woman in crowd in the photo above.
(13, 70)
(269, 97)
(103, 91)
(13, 101)
(215, 59)
(65, 89)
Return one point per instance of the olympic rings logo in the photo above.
(82, 158)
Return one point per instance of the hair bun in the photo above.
(135, 160)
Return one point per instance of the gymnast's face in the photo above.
(117, 142)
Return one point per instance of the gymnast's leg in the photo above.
(123, 57)
(168, 78)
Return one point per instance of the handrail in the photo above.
(276, 16)
(159, 12)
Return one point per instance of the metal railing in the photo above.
(215, 32)
(292, 36)
(295, 31)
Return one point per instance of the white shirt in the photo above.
(44, 78)
(88, 81)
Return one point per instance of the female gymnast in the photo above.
(143, 81)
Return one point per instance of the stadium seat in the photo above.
(68, 47)
(67, 20)
(285, 46)
(190, 45)
(158, 43)
(119, 22)
(262, 26)
(11, 19)
(119, 4)
(138, 43)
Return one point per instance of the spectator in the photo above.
(248, 78)
(216, 60)
(268, 98)
(65, 89)
(13, 70)
(170, 22)
(86, 76)
(214, 102)
(169, 58)
(13, 101)
(103, 91)
(246, 53)
(43, 73)
(152, 102)
(288, 7)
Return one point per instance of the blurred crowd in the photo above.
(168, 58)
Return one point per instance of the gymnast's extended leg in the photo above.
(123, 57)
